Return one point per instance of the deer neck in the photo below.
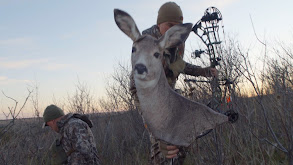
(154, 102)
(156, 92)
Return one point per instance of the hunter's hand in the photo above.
(172, 152)
(214, 72)
(168, 150)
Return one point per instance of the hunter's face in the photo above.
(165, 26)
(53, 125)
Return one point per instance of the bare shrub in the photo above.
(13, 113)
(123, 129)
(81, 101)
(273, 107)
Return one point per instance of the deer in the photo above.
(168, 115)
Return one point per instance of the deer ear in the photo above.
(175, 36)
(126, 24)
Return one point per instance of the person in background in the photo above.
(76, 145)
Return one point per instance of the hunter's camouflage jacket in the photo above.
(77, 141)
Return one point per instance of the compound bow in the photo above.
(207, 29)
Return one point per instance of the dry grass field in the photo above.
(263, 135)
(122, 139)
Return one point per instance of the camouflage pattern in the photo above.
(77, 141)
(158, 158)
(56, 154)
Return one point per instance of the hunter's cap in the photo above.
(52, 112)
(170, 12)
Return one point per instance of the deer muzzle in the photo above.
(140, 68)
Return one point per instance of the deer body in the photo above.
(168, 115)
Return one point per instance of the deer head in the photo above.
(147, 51)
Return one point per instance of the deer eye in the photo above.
(157, 55)
(133, 49)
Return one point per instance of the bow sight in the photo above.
(207, 29)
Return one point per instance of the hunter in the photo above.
(170, 14)
(76, 145)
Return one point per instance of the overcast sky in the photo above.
(54, 43)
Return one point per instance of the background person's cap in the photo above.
(51, 112)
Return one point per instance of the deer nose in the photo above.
(140, 68)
